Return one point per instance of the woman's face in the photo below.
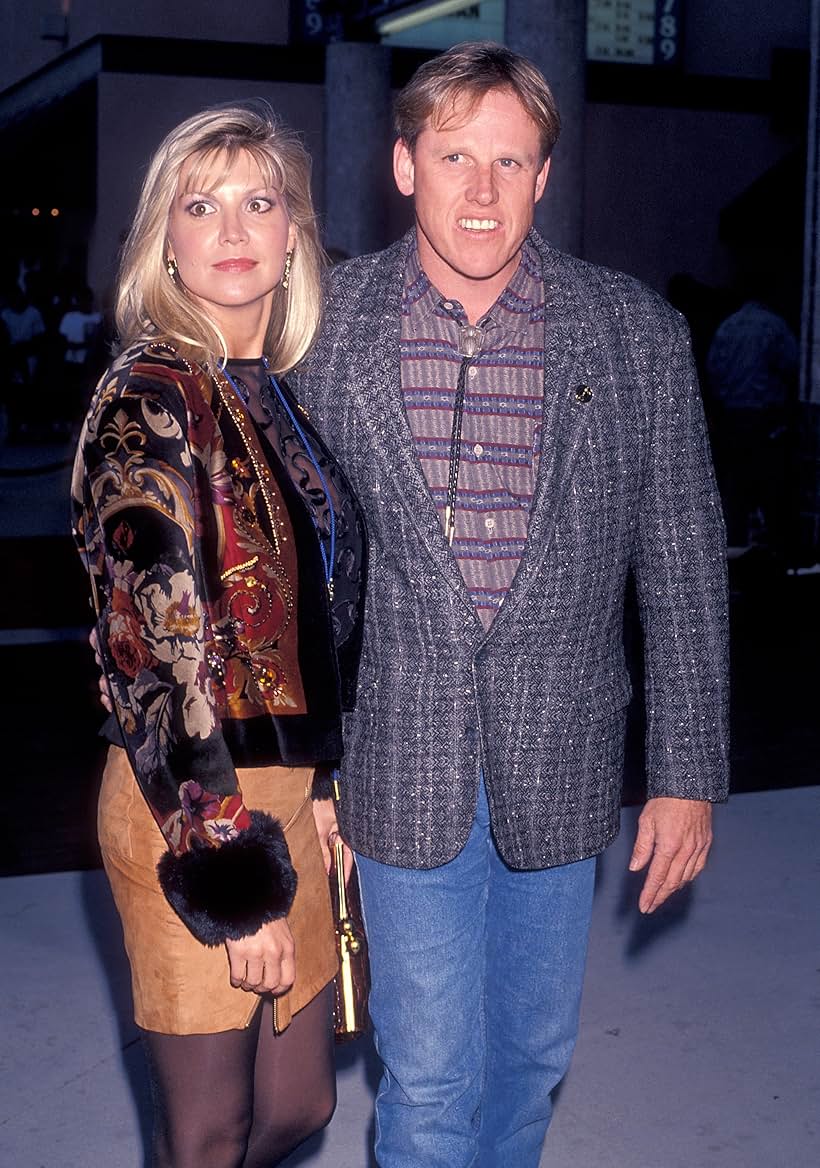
(229, 236)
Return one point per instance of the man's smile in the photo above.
(479, 224)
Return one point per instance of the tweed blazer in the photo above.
(538, 702)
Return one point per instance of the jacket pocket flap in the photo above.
(604, 700)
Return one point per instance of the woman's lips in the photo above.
(237, 265)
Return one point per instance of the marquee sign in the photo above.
(635, 32)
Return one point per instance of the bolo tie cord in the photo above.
(470, 338)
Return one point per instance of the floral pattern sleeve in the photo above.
(144, 463)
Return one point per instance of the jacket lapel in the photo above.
(569, 400)
(569, 364)
(385, 416)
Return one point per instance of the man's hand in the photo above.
(324, 816)
(676, 835)
(102, 684)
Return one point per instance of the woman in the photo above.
(226, 557)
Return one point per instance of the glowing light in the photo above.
(55, 211)
(35, 211)
(420, 13)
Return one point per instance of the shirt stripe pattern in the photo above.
(501, 430)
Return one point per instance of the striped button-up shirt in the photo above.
(501, 430)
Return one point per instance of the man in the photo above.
(523, 429)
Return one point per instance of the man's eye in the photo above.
(452, 158)
(507, 163)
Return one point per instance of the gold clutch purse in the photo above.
(352, 982)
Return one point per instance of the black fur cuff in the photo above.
(231, 891)
(322, 787)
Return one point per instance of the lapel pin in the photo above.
(583, 393)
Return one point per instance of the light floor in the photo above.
(698, 1044)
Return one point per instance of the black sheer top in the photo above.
(277, 430)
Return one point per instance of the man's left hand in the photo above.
(324, 816)
(675, 835)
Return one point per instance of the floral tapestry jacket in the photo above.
(214, 625)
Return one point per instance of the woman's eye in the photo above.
(200, 209)
(259, 206)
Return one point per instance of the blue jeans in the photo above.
(476, 986)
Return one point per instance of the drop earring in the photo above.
(171, 267)
(286, 273)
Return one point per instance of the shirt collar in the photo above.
(519, 306)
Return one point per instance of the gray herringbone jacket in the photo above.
(539, 701)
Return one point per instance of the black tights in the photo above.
(242, 1098)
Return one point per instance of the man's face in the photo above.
(476, 182)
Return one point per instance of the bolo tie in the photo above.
(470, 340)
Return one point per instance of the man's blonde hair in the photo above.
(150, 304)
(466, 73)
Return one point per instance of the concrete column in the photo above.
(552, 33)
(810, 364)
(358, 168)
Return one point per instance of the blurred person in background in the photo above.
(752, 373)
(81, 330)
(26, 330)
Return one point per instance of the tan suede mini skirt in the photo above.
(179, 985)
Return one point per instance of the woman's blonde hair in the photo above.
(151, 304)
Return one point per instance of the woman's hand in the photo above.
(102, 684)
(327, 828)
(264, 962)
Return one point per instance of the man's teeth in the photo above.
(478, 224)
